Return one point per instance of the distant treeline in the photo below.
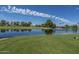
(74, 27)
(48, 23)
(14, 23)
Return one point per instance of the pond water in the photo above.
(11, 33)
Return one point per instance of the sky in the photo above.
(38, 14)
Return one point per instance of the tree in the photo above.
(12, 23)
(2, 22)
(74, 27)
(78, 24)
(50, 24)
(43, 25)
(67, 26)
(7, 23)
(23, 24)
(38, 25)
(29, 23)
(17, 23)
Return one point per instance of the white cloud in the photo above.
(4, 9)
(9, 7)
(13, 9)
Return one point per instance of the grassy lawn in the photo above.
(42, 44)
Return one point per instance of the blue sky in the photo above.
(68, 13)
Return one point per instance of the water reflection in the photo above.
(4, 33)
(44, 31)
(48, 31)
(66, 30)
(15, 30)
(71, 30)
(3, 30)
(74, 30)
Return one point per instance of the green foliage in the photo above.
(23, 23)
(67, 26)
(29, 23)
(74, 27)
(14, 23)
(2, 22)
(49, 24)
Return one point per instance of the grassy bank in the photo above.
(20, 27)
(40, 44)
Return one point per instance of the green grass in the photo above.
(21, 27)
(43, 44)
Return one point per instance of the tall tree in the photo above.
(67, 26)
(7, 23)
(29, 23)
(23, 24)
(74, 27)
(50, 24)
(3, 23)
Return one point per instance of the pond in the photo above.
(11, 33)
